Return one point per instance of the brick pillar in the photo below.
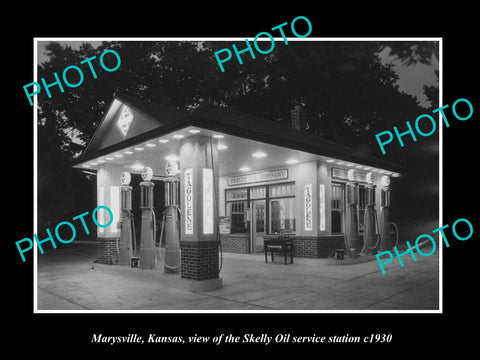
(199, 260)
(198, 185)
(108, 193)
(107, 250)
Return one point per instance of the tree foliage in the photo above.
(348, 93)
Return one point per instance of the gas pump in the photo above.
(386, 241)
(126, 241)
(370, 237)
(171, 224)
(351, 221)
(147, 239)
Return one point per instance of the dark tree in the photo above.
(349, 95)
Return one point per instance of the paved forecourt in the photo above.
(68, 279)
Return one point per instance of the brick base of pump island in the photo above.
(199, 260)
(200, 265)
(107, 251)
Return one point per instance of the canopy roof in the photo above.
(130, 124)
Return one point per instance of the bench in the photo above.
(282, 245)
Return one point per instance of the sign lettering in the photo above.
(188, 187)
(258, 177)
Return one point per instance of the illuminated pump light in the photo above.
(385, 180)
(163, 141)
(330, 160)
(207, 200)
(138, 149)
(178, 136)
(151, 145)
(222, 147)
(291, 162)
(118, 155)
(172, 157)
(128, 152)
(244, 169)
(194, 131)
(259, 155)
(137, 167)
(218, 136)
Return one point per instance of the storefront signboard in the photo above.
(343, 174)
(258, 177)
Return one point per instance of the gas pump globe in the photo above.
(171, 168)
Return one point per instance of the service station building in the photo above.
(242, 179)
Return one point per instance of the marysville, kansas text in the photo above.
(135, 338)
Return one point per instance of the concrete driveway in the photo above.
(68, 280)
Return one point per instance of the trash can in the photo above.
(352, 253)
(135, 261)
(339, 254)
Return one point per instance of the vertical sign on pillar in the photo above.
(322, 207)
(207, 185)
(188, 187)
(307, 200)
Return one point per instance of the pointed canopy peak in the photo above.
(128, 117)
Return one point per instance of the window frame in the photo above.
(340, 209)
(271, 198)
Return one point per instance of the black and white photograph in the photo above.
(280, 150)
(203, 180)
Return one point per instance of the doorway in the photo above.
(258, 224)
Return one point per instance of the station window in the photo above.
(236, 207)
(236, 194)
(282, 208)
(258, 192)
(280, 190)
(236, 210)
(337, 208)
